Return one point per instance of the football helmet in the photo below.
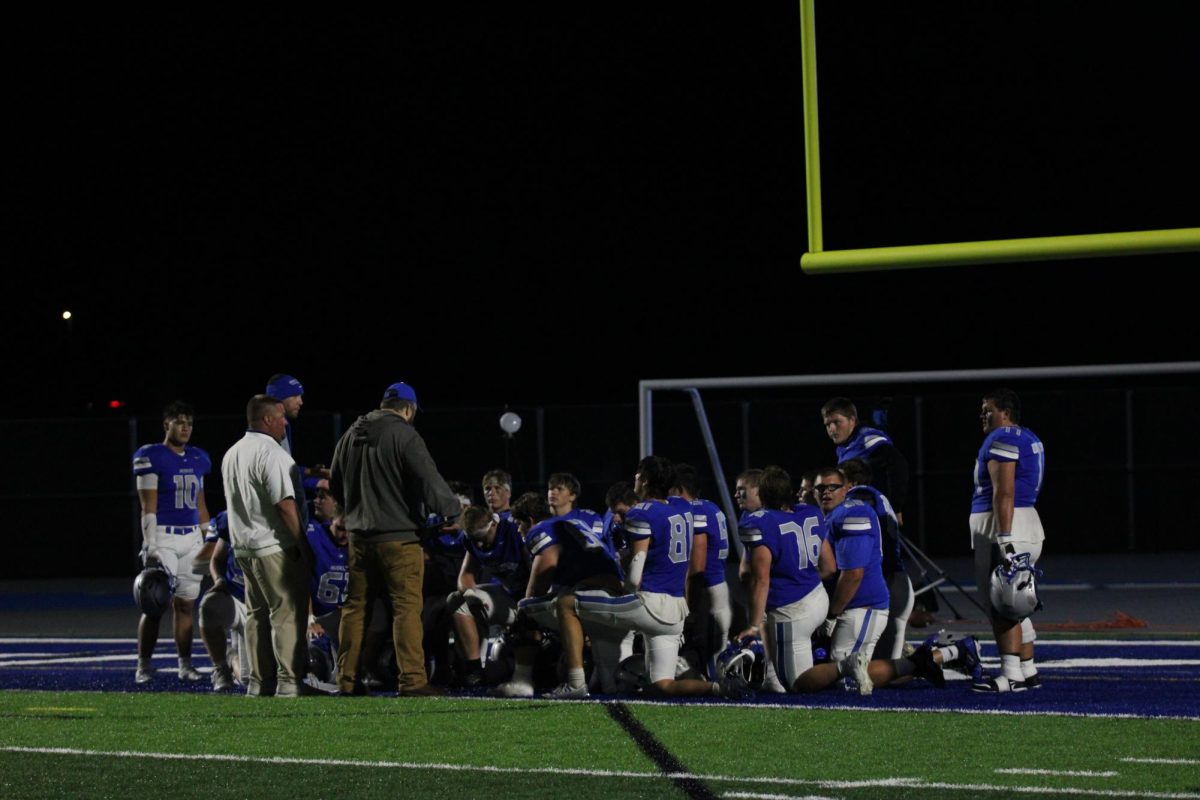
(153, 589)
(632, 676)
(748, 658)
(216, 610)
(1013, 589)
(320, 658)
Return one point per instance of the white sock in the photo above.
(948, 653)
(1028, 670)
(1010, 667)
(185, 663)
(523, 674)
(575, 677)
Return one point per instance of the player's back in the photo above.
(710, 520)
(857, 541)
(668, 527)
(794, 539)
(1008, 444)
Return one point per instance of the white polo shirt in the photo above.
(257, 474)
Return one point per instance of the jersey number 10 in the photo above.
(186, 489)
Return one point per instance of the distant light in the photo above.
(116, 403)
(66, 315)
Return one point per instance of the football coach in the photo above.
(389, 488)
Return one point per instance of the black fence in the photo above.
(1119, 461)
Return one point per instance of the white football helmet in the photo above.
(1013, 589)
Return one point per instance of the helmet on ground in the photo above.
(747, 657)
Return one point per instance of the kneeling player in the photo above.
(858, 610)
(223, 611)
(494, 574)
(788, 554)
(660, 539)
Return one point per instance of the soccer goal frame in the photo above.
(692, 387)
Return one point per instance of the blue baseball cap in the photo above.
(282, 387)
(400, 391)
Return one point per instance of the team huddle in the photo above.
(657, 595)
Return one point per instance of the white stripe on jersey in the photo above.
(699, 520)
(856, 524)
(1004, 451)
(871, 441)
(750, 534)
(638, 528)
(142, 462)
(539, 543)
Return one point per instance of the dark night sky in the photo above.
(548, 206)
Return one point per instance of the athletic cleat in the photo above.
(859, 664)
(997, 685)
(143, 675)
(511, 689)
(926, 667)
(968, 659)
(222, 678)
(567, 692)
(474, 679)
(189, 673)
(1033, 682)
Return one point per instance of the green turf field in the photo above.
(197, 745)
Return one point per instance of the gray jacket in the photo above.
(386, 481)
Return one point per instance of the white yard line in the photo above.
(1063, 772)
(1161, 760)
(596, 773)
(126, 657)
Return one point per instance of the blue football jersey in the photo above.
(893, 560)
(218, 528)
(582, 552)
(668, 526)
(1011, 443)
(857, 543)
(506, 562)
(330, 577)
(794, 540)
(862, 443)
(178, 479)
(710, 520)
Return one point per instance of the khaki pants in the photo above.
(276, 622)
(397, 569)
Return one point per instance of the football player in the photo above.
(900, 588)
(328, 538)
(706, 571)
(1008, 477)
(583, 561)
(493, 578)
(788, 552)
(497, 492)
(858, 609)
(170, 487)
(888, 464)
(659, 530)
(223, 610)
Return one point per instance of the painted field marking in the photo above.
(754, 796)
(42, 662)
(1161, 760)
(57, 709)
(596, 773)
(1061, 772)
